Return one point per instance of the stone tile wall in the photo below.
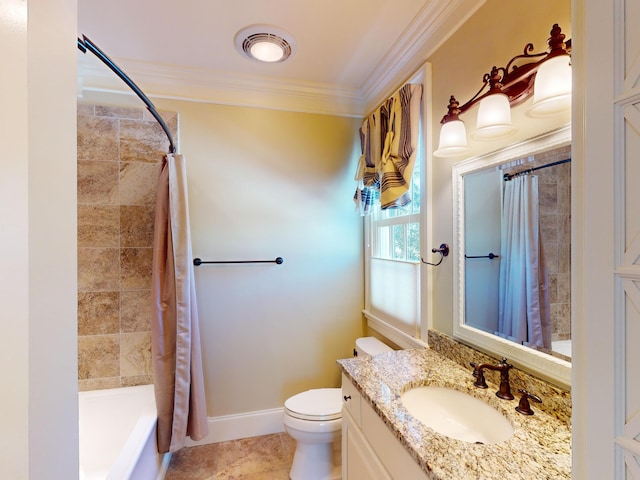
(554, 187)
(119, 154)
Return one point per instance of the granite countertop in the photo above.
(540, 447)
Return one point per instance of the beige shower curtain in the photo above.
(175, 342)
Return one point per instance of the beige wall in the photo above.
(495, 34)
(263, 184)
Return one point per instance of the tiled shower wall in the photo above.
(119, 155)
(554, 184)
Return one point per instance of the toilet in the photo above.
(314, 420)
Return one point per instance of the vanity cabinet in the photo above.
(382, 440)
(369, 449)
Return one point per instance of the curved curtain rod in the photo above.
(86, 44)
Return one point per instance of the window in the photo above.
(390, 174)
(393, 259)
(396, 231)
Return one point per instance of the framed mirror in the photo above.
(512, 240)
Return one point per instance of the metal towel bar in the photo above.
(199, 261)
(491, 256)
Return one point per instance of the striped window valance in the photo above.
(389, 141)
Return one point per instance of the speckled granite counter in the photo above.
(540, 447)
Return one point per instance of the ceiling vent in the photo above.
(265, 43)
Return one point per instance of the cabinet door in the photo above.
(351, 398)
(359, 461)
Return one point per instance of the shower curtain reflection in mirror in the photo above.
(524, 309)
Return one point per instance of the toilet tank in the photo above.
(369, 346)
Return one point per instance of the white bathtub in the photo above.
(118, 435)
(562, 346)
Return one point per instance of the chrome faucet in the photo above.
(503, 367)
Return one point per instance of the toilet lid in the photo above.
(318, 404)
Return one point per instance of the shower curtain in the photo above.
(175, 342)
(524, 311)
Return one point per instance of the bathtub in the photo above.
(562, 346)
(118, 435)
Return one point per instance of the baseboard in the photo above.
(243, 425)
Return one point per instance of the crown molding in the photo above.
(431, 27)
(209, 86)
(435, 22)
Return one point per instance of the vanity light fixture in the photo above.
(265, 43)
(548, 79)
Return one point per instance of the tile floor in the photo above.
(267, 457)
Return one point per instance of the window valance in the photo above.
(389, 141)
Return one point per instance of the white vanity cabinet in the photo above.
(369, 449)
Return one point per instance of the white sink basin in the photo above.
(457, 415)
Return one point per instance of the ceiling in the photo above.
(349, 53)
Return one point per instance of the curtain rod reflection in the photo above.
(509, 176)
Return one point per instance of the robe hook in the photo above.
(443, 251)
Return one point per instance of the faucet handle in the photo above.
(504, 363)
(524, 407)
(480, 382)
(475, 368)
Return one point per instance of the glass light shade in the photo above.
(494, 118)
(453, 139)
(265, 43)
(266, 51)
(552, 88)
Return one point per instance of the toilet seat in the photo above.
(319, 405)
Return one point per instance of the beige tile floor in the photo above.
(267, 457)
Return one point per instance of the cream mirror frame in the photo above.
(545, 366)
